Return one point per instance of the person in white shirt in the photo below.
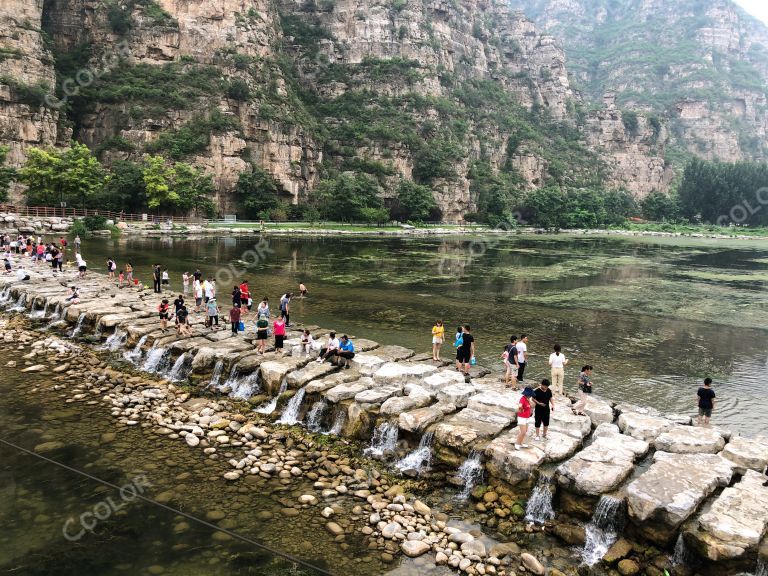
(557, 362)
(522, 356)
(21, 274)
(306, 342)
(333, 345)
(81, 265)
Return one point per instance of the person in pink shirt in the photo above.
(279, 328)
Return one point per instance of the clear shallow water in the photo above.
(653, 315)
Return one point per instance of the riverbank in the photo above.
(12, 223)
(401, 403)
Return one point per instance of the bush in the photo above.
(414, 203)
(120, 18)
(660, 207)
(95, 222)
(78, 228)
(238, 90)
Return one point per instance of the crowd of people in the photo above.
(39, 253)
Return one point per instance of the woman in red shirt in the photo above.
(524, 412)
(245, 295)
(279, 327)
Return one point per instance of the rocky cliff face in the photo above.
(26, 75)
(701, 66)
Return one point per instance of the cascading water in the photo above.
(384, 440)
(99, 328)
(218, 369)
(762, 567)
(180, 369)
(419, 460)
(20, 304)
(539, 508)
(157, 360)
(115, 341)
(39, 314)
(56, 317)
(245, 386)
(290, 415)
(269, 407)
(471, 472)
(135, 355)
(603, 530)
(5, 296)
(338, 423)
(78, 327)
(315, 416)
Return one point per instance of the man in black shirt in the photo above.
(156, 274)
(542, 399)
(467, 349)
(706, 401)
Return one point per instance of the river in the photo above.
(654, 316)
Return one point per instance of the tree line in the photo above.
(708, 192)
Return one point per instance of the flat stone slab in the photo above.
(493, 402)
(273, 371)
(418, 420)
(392, 353)
(348, 390)
(561, 419)
(735, 522)
(378, 395)
(400, 372)
(515, 466)
(458, 394)
(400, 404)
(320, 386)
(467, 427)
(747, 453)
(311, 371)
(602, 466)
(689, 440)
(599, 411)
(643, 426)
(666, 494)
(367, 364)
(441, 379)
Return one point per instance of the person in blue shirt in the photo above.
(346, 351)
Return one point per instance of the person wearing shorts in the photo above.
(510, 363)
(262, 330)
(524, 411)
(164, 313)
(438, 335)
(706, 401)
(544, 403)
(466, 350)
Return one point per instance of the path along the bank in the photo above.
(668, 472)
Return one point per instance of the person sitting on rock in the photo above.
(74, 295)
(330, 350)
(346, 351)
(21, 274)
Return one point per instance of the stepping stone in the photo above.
(458, 394)
(561, 419)
(643, 426)
(747, 453)
(273, 371)
(442, 379)
(466, 428)
(348, 390)
(376, 396)
(367, 364)
(400, 372)
(418, 420)
(320, 386)
(735, 522)
(311, 371)
(392, 353)
(492, 402)
(666, 494)
(690, 439)
(599, 411)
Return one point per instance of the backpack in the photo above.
(459, 341)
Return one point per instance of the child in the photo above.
(120, 278)
(166, 280)
(524, 412)
(706, 402)
(438, 335)
(306, 342)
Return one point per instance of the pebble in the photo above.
(334, 529)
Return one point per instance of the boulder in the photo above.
(690, 439)
(665, 495)
(599, 411)
(643, 426)
(735, 522)
(747, 453)
(319, 386)
(512, 466)
(493, 402)
(311, 371)
(563, 420)
(367, 364)
(415, 548)
(348, 390)
(532, 564)
(418, 420)
(400, 372)
(392, 353)
(439, 380)
(377, 395)
(401, 404)
(457, 394)
(273, 372)
(462, 430)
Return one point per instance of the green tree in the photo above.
(179, 187)
(414, 202)
(350, 198)
(7, 175)
(125, 190)
(73, 175)
(257, 193)
(660, 207)
(158, 180)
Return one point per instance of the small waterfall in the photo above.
(135, 355)
(5, 296)
(216, 376)
(115, 341)
(245, 387)
(180, 369)
(419, 460)
(157, 360)
(269, 407)
(539, 508)
(290, 415)
(471, 472)
(384, 440)
(338, 423)
(79, 326)
(99, 329)
(20, 304)
(56, 317)
(603, 530)
(762, 567)
(315, 416)
(39, 314)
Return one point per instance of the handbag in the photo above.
(241, 326)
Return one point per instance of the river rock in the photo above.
(415, 548)
(643, 426)
(391, 529)
(747, 453)
(458, 394)
(334, 529)
(348, 390)
(735, 522)
(666, 494)
(192, 440)
(417, 420)
(494, 402)
(690, 439)
(602, 465)
(475, 547)
(465, 428)
(442, 379)
(599, 411)
(565, 421)
(532, 564)
(400, 373)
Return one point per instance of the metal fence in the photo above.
(51, 212)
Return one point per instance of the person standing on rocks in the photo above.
(557, 362)
(522, 357)
(706, 401)
(166, 280)
(111, 267)
(458, 341)
(129, 273)
(245, 295)
(585, 387)
(165, 315)
(466, 350)
(510, 363)
(185, 282)
(237, 297)
(208, 290)
(263, 308)
(524, 412)
(438, 335)
(285, 307)
(156, 275)
(78, 242)
(212, 309)
(234, 318)
(544, 403)
(262, 330)
(279, 327)
(198, 294)
(59, 261)
(82, 266)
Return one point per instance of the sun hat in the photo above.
(527, 391)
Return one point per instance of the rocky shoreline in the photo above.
(696, 486)
(15, 224)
